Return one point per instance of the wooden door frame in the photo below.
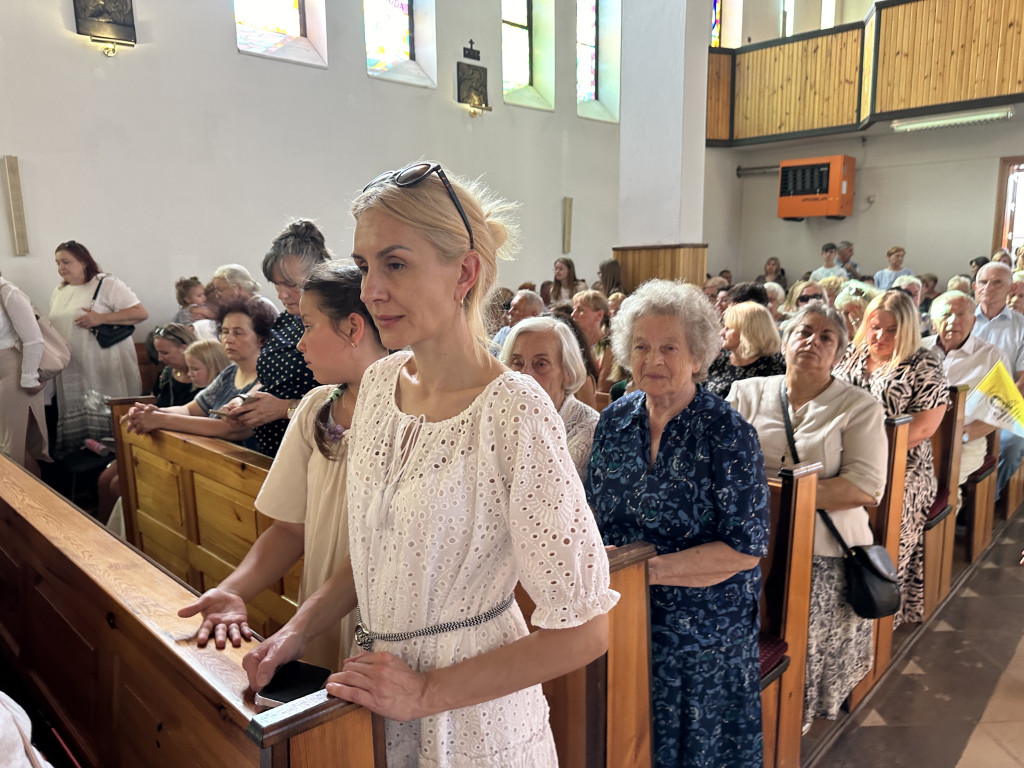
(1005, 164)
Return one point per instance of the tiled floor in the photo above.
(956, 700)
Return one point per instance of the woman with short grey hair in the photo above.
(233, 281)
(546, 349)
(674, 465)
(843, 428)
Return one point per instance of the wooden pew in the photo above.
(1013, 495)
(601, 714)
(980, 501)
(191, 500)
(940, 529)
(885, 522)
(189, 503)
(785, 608)
(91, 626)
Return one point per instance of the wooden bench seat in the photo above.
(785, 610)
(980, 501)
(91, 626)
(885, 522)
(940, 528)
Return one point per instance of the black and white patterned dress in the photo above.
(915, 385)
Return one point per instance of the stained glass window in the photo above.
(389, 34)
(586, 50)
(716, 23)
(263, 26)
(516, 44)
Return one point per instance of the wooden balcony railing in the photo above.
(908, 57)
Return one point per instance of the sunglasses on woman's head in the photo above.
(170, 333)
(810, 297)
(414, 174)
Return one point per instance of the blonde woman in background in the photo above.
(887, 359)
(801, 293)
(833, 284)
(750, 347)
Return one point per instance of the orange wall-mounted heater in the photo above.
(816, 186)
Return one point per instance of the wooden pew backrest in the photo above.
(189, 503)
(91, 625)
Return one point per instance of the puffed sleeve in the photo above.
(115, 296)
(23, 319)
(738, 485)
(558, 550)
(283, 494)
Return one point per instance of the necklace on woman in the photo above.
(334, 429)
(181, 376)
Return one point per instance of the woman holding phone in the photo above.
(460, 485)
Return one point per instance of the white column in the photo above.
(662, 115)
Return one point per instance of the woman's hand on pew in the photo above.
(261, 408)
(143, 418)
(224, 616)
(262, 662)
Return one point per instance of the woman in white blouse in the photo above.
(546, 349)
(22, 418)
(94, 372)
(842, 427)
(459, 486)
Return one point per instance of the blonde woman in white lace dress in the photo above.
(459, 485)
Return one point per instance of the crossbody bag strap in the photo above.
(97, 291)
(792, 449)
(785, 417)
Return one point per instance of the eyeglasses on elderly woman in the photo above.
(414, 174)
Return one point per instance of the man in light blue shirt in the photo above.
(884, 278)
(997, 324)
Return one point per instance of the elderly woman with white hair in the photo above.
(546, 349)
(233, 281)
(674, 465)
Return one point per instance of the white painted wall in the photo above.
(182, 154)
(934, 193)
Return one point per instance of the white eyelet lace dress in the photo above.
(445, 517)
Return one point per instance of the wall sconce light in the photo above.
(110, 46)
(108, 25)
(472, 87)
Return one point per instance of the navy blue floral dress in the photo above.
(706, 484)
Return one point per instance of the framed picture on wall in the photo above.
(107, 19)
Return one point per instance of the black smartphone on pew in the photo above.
(292, 681)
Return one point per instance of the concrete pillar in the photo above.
(663, 104)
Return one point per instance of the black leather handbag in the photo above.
(109, 334)
(872, 586)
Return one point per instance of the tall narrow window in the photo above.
(586, 50)
(516, 44)
(389, 34)
(716, 23)
(598, 47)
(278, 29)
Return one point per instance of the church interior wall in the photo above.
(182, 154)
